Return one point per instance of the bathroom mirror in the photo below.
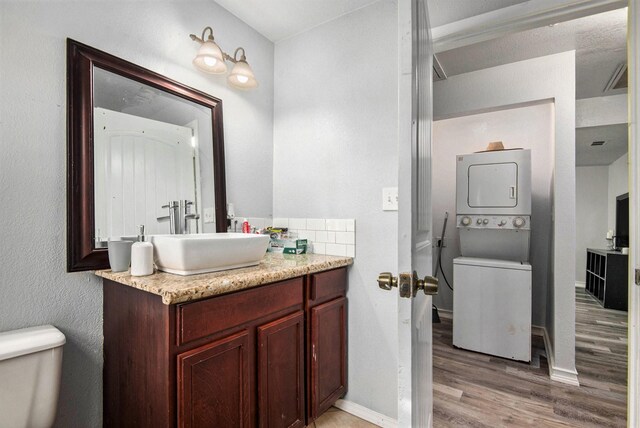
(136, 142)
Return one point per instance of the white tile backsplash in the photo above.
(316, 224)
(350, 224)
(336, 249)
(345, 238)
(298, 223)
(319, 248)
(280, 222)
(307, 234)
(334, 237)
(337, 225)
(321, 236)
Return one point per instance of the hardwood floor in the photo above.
(478, 390)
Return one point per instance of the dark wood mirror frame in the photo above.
(81, 252)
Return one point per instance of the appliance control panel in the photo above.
(516, 222)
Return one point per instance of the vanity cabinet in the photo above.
(327, 333)
(213, 384)
(269, 356)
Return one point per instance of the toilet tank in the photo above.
(30, 368)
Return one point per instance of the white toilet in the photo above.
(30, 368)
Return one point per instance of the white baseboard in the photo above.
(581, 284)
(445, 313)
(366, 414)
(555, 373)
(536, 330)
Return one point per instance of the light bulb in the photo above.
(210, 61)
(242, 79)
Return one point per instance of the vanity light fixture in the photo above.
(211, 59)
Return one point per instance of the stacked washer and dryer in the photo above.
(492, 278)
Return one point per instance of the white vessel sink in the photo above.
(207, 252)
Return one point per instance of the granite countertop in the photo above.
(274, 267)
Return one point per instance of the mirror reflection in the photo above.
(153, 161)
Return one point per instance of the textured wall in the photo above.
(591, 213)
(335, 147)
(35, 287)
(599, 111)
(550, 77)
(526, 127)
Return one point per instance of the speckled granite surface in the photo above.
(274, 267)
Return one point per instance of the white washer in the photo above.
(492, 307)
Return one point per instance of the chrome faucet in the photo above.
(173, 218)
(186, 215)
(179, 217)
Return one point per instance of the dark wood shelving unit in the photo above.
(606, 278)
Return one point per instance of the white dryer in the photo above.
(493, 204)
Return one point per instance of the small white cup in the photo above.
(119, 255)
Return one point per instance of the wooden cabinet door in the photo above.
(281, 372)
(213, 384)
(328, 355)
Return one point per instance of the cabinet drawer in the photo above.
(205, 317)
(325, 286)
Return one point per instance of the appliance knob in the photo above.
(466, 221)
(485, 221)
(502, 222)
(518, 222)
(479, 221)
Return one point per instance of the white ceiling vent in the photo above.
(618, 79)
(438, 71)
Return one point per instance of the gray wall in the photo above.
(528, 127)
(546, 78)
(592, 187)
(335, 147)
(35, 287)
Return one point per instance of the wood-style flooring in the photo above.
(477, 390)
(336, 418)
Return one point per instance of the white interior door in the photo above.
(415, 385)
(633, 50)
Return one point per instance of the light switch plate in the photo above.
(390, 199)
(209, 216)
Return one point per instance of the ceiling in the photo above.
(281, 19)
(615, 138)
(599, 41)
(447, 11)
